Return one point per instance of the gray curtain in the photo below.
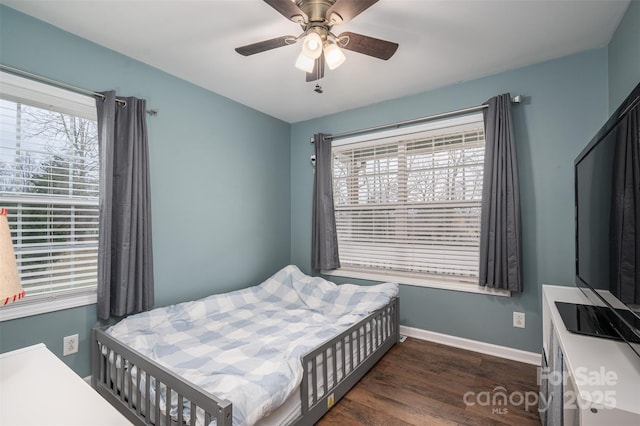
(500, 229)
(324, 239)
(625, 252)
(125, 256)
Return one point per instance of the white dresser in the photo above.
(37, 388)
(602, 375)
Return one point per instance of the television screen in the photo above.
(607, 197)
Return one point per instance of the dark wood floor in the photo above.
(424, 383)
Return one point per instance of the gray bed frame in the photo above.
(329, 371)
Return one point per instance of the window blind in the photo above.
(410, 204)
(49, 183)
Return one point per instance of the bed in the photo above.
(284, 352)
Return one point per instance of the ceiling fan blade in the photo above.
(318, 69)
(262, 46)
(289, 10)
(349, 9)
(366, 45)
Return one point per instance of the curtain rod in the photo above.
(516, 100)
(76, 89)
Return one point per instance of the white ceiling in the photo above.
(441, 42)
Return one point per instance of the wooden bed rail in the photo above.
(117, 373)
(330, 370)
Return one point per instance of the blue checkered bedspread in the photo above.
(246, 345)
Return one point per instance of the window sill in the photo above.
(45, 303)
(417, 281)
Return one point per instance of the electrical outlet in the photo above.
(70, 345)
(518, 319)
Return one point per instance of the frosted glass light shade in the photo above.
(334, 56)
(10, 288)
(305, 63)
(312, 45)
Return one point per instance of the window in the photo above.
(407, 203)
(49, 183)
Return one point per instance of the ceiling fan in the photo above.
(317, 18)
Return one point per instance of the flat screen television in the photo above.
(607, 213)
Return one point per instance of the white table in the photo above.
(37, 388)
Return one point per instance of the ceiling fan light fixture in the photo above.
(312, 45)
(334, 56)
(317, 19)
(305, 63)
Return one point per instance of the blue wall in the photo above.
(217, 230)
(566, 102)
(220, 178)
(624, 56)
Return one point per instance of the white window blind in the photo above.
(409, 204)
(49, 184)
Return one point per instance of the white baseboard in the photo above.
(472, 345)
(87, 379)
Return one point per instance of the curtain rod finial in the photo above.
(311, 140)
(516, 99)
